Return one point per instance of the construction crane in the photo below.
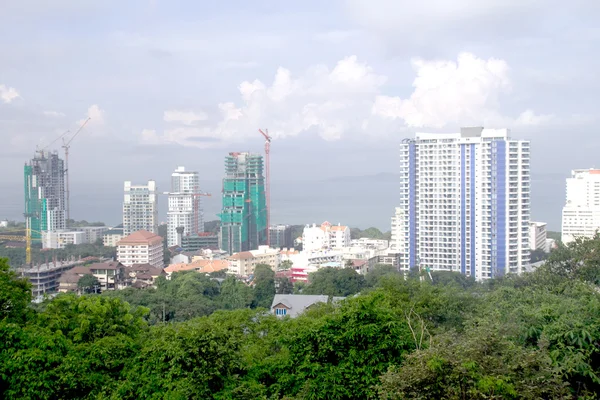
(66, 146)
(268, 179)
(20, 238)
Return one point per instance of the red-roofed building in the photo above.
(141, 247)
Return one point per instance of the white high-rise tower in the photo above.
(140, 210)
(185, 208)
(581, 213)
(464, 203)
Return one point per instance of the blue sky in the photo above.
(338, 83)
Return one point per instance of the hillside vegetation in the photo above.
(535, 336)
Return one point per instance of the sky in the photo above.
(338, 84)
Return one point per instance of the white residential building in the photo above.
(140, 208)
(537, 236)
(464, 203)
(581, 213)
(112, 236)
(243, 263)
(60, 238)
(184, 205)
(141, 247)
(325, 237)
(93, 233)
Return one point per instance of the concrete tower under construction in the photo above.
(45, 193)
(244, 212)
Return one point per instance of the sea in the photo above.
(357, 201)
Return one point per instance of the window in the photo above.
(280, 311)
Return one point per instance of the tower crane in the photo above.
(13, 236)
(268, 138)
(66, 146)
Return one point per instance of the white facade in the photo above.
(4, 223)
(243, 263)
(141, 247)
(93, 233)
(59, 239)
(581, 213)
(185, 208)
(140, 208)
(537, 236)
(325, 237)
(464, 203)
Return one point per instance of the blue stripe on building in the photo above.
(412, 206)
(501, 210)
(463, 208)
(472, 239)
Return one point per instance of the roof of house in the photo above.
(206, 266)
(297, 303)
(244, 255)
(141, 237)
(107, 265)
(80, 270)
(148, 269)
(69, 277)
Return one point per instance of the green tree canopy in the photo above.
(15, 294)
(89, 284)
(335, 282)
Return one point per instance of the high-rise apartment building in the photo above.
(281, 236)
(140, 208)
(185, 209)
(244, 211)
(45, 193)
(141, 247)
(581, 213)
(464, 203)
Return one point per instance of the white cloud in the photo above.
(185, 117)
(96, 115)
(54, 114)
(464, 92)
(8, 94)
(348, 100)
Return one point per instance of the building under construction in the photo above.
(45, 193)
(244, 212)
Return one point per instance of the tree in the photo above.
(15, 294)
(335, 282)
(284, 285)
(89, 284)
(286, 264)
(264, 286)
(234, 294)
(378, 272)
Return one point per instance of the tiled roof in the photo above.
(244, 255)
(206, 266)
(297, 303)
(140, 237)
(145, 268)
(108, 265)
(69, 277)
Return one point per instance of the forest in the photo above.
(533, 336)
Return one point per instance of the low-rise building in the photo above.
(112, 236)
(293, 305)
(202, 266)
(537, 235)
(142, 275)
(44, 277)
(110, 276)
(92, 233)
(325, 237)
(243, 263)
(141, 247)
(60, 238)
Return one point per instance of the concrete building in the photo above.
(112, 236)
(325, 237)
(185, 208)
(45, 194)
(537, 236)
(140, 208)
(243, 263)
(92, 233)
(581, 213)
(60, 238)
(280, 236)
(464, 203)
(141, 247)
(201, 241)
(244, 209)
(44, 277)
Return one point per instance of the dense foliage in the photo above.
(533, 336)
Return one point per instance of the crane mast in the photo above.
(66, 146)
(268, 181)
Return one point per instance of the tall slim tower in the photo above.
(464, 203)
(581, 213)
(185, 208)
(140, 210)
(244, 212)
(45, 193)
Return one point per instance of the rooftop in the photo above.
(244, 255)
(140, 237)
(297, 303)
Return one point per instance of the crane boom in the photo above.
(66, 146)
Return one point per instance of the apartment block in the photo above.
(140, 208)
(243, 263)
(280, 236)
(112, 236)
(464, 203)
(184, 208)
(581, 213)
(325, 237)
(141, 247)
(244, 210)
(45, 194)
(61, 238)
(537, 236)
